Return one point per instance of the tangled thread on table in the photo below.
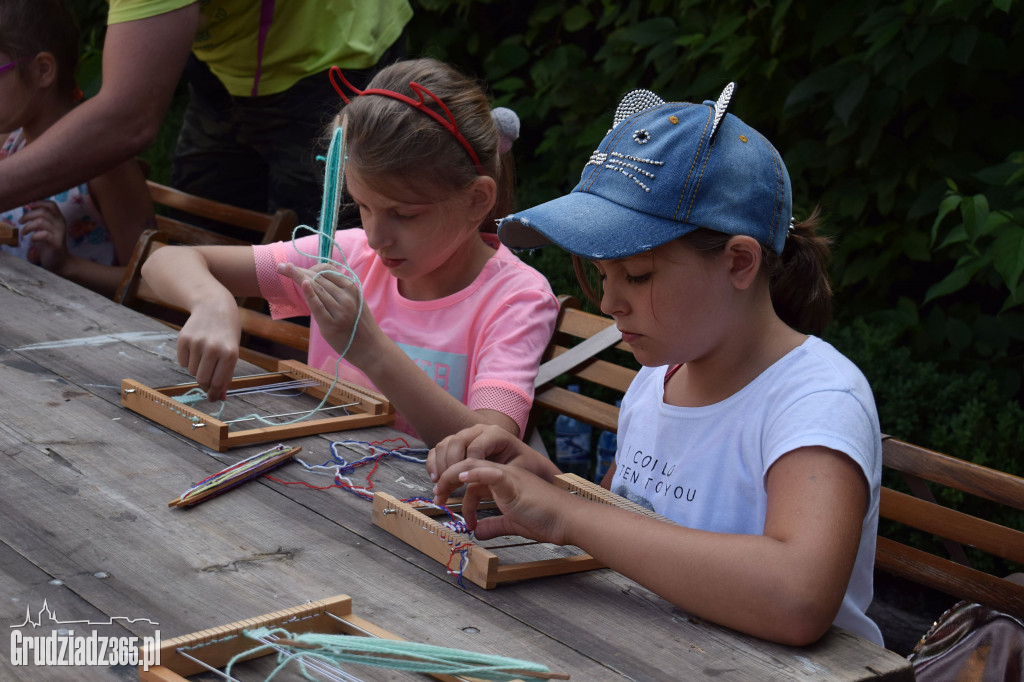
(341, 469)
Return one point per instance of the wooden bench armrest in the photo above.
(953, 525)
(975, 479)
(949, 577)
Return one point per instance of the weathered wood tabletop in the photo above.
(85, 529)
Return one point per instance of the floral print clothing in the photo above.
(87, 234)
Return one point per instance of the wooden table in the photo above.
(85, 527)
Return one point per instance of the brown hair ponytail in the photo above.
(799, 282)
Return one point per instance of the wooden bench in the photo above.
(919, 468)
(604, 376)
(922, 469)
(266, 228)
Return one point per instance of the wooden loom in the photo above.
(419, 527)
(217, 646)
(368, 408)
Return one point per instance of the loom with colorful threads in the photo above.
(417, 525)
(363, 407)
(187, 419)
(340, 469)
(317, 636)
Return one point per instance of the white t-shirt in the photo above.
(705, 467)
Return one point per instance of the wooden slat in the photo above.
(954, 525)
(601, 372)
(583, 325)
(969, 477)
(949, 577)
(274, 227)
(587, 409)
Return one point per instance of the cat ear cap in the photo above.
(663, 170)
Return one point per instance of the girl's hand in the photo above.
(46, 229)
(208, 345)
(491, 443)
(333, 301)
(530, 506)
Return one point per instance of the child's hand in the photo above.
(491, 443)
(44, 226)
(530, 506)
(208, 345)
(333, 301)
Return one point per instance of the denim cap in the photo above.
(662, 171)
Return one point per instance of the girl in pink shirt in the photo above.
(452, 324)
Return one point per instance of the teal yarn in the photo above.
(384, 653)
(195, 395)
(334, 178)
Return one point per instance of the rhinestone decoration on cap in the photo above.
(721, 106)
(635, 102)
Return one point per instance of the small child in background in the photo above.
(452, 324)
(760, 442)
(87, 233)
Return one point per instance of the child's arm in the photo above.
(123, 201)
(432, 411)
(204, 281)
(785, 585)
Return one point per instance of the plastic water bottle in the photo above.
(607, 443)
(572, 443)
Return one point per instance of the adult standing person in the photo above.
(270, 59)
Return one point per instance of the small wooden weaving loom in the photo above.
(418, 526)
(217, 646)
(366, 408)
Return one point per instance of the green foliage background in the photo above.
(901, 119)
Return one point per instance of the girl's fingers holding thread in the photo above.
(449, 480)
(452, 449)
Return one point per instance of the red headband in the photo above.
(448, 123)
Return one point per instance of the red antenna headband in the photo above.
(448, 123)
